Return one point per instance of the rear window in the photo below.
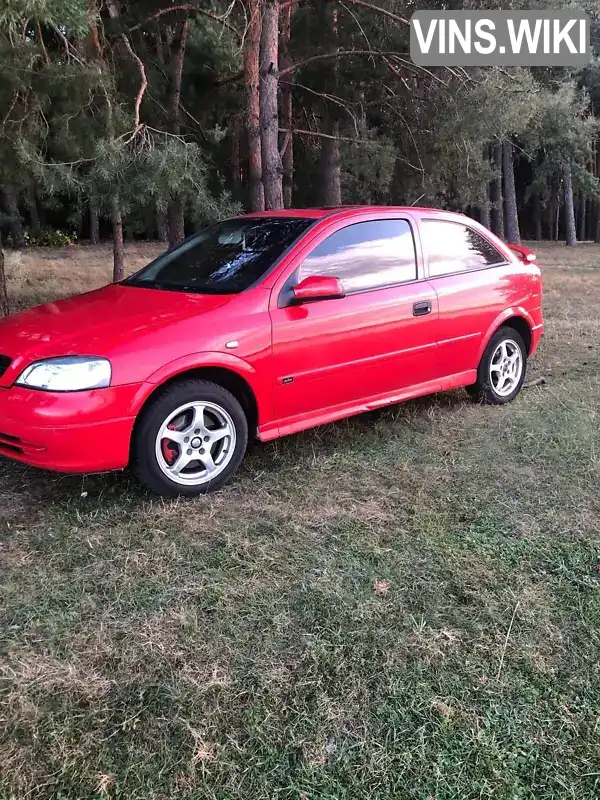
(226, 258)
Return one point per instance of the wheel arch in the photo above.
(240, 382)
(522, 327)
(516, 318)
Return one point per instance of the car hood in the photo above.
(92, 323)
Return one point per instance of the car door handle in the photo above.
(421, 308)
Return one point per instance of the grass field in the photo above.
(403, 605)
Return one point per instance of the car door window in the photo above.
(366, 255)
(452, 247)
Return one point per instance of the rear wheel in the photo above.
(190, 439)
(501, 372)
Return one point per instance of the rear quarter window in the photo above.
(452, 247)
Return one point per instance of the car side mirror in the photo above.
(524, 254)
(318, 287)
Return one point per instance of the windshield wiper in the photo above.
(176, 287)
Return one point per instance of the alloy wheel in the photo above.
(195, 443)
(506, 367)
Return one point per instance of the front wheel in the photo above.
(190, 439)
(501, 372)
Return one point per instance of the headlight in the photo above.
(67, 374)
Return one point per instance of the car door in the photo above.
(332, 355)
(470, 277)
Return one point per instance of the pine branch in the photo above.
(385, 55)
(326, 96)
(191, 9)
(144, 81)
(335, 54)
(230, 79)
(286, 141)
(319, 135)
(379, 10)
(194, 120)
(38, 30)
(13, 103)
(68, 46)
(411, 65)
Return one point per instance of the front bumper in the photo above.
(86, 431)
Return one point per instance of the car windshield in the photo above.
(226, 258)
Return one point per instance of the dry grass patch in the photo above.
(39, 274)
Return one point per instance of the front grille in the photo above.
(4, 364)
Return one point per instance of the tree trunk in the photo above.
(160, 51)
(11, 204)
(485, 211)
(94, 221)
(176, 211)
(3, 291)
(252, 83)
(161, 227)
(485, 215)
(513, 235)
(330, 147)
(597, 221)
(117, 233)
(78, 224)
(287, 155)
(32, 207)
(496, 192)
(537, 216)
(549, 219)
(331, 168)
(287, 159)
(596, 205)
(570, 230)
(175, 217)
(582, 217)
(235, 140)
(176, 222)
(149, 227)
(269, 112)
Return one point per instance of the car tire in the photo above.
(502, 368)
(189, 440)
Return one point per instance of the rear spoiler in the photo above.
(523, 253)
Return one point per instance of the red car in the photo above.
(265, 325)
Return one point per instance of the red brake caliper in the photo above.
(169, 448)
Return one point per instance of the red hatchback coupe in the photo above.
(265, 324)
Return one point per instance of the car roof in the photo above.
(330, 211)
(312, 213)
